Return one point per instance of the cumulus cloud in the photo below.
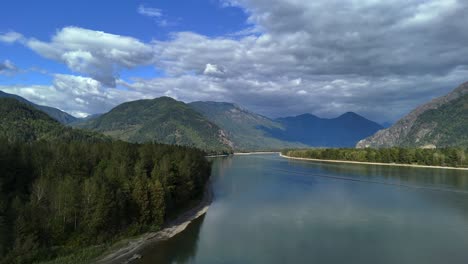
(77, 95)
(377, 58)
(327, 57)
(214, 70)
(97, 54)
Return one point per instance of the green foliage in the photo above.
(451, 157)
(446, 126)
(22, 122)
(162, 120)
(54, 113)
(60, 197)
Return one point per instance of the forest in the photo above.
(451, 157)
(57, 197)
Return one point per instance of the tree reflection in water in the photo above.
(179, 249)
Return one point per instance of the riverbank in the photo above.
(243, 153)
(217, 156)
(129, 253)
(374, 163)
(256, 153)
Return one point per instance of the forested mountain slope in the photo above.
(162, 120)
(55, 113)
(22, 122)
(243, 127)
(443, 122)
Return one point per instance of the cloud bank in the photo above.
(377, 58)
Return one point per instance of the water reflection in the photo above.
(179, 249)
(271, 210)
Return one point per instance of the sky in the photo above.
(278, 58)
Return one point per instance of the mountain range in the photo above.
(443, 122)
(243, 127)
(162, 120)
(308, 129)
(215, 126)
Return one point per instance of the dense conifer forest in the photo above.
(57, 197)
(452, 157)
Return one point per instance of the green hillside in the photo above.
(55, 113)
(22, 122)
(442, 122)
(446, 126)
(162, 120)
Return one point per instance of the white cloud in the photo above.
(10, 37)
(8, 68)
(214, 70)
(149, 11)
(77, 95)
(156, 14)
(378, 58)
(98, 54)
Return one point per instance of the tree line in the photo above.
(452, 157)
(56, 197)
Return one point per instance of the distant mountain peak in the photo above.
(218, 104)
(165, 98)
(342, 131)
(243, 126)
(307, 115)
(352, 114)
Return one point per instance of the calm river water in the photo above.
(267, 209)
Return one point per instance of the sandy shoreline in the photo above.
(375, 163)
(215, 156)
(243, 153)
(256, 153)
(130, 252)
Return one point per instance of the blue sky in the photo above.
(41, 19)
(276, 57)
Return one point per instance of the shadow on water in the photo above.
(179, 249)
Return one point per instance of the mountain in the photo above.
(22, 122)
(343, 131)
(386, 124)
(84, 119)
(243, 127)
(162, 120)
(442, 122)
(55, 113)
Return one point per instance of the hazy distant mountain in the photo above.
(441, 122)
(55, 113)
(22, 122)
(343, 131)
(84, 119)
(162, 120)
(244, 128)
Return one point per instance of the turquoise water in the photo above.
(267, 209)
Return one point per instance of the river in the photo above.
(267, 209)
